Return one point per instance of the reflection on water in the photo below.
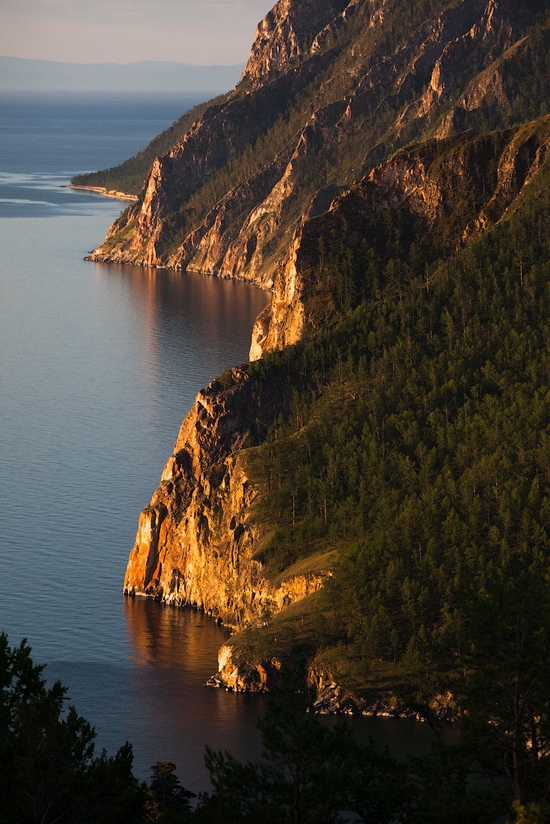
(98, 366)
(186, 329)
(168, 636)
(174, 651)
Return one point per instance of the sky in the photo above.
(202, 32)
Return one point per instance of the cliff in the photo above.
(200, 540)
(197, 540)
(358, 155)
(430, 182)
(329, 90)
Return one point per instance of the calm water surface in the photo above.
(98, 366)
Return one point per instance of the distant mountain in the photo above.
(21, 75)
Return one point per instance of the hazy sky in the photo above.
(126, 31)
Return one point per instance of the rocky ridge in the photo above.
(199, 541)
(325, 72)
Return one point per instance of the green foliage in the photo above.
(418, 443)
(446, 788)
(505, 689)
(130, 176)
(299, 777)
(309, 772)
(226, 379)
(168, 801)
(531, 814)
(49, 773)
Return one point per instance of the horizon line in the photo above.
(113, 63)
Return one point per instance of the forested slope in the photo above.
(396, 450)
(418, 442)
(372, 491)
(129, 176)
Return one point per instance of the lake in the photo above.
(98, 366)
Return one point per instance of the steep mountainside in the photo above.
(330, 89)
(130, 175)
(383, 169)
(212, 524)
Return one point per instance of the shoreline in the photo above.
(101, 190)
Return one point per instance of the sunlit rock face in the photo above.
(428, 181)
(326, 66)
(286, 34)
(197, 539)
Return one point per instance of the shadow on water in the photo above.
(156, 698)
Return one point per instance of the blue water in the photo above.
(98, 366)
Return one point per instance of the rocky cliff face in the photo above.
(311, 110)
(286, 35)
(307, 149)
(239, 674)
(196, 541)
(199, 539)
(430, 181)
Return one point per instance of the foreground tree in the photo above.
(506, 688)
(49, 773)
(168, 801)
(446, 788)
(315, 773)
(310, 772)
(532, 814)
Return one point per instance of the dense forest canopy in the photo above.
(416, 453)
(417, 449)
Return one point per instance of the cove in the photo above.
(98, 366)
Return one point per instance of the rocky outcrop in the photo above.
(246, 676)
(149, 232)
(467, 37)
(239, 673)
(229, 197)
(430, 181)
(492, 93)
(286, 34)
(197, 540)
(334, 699)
